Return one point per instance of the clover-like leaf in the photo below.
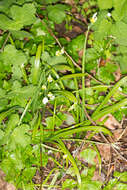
(20, 16)
(24, 15)
(20, 136)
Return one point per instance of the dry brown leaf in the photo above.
(97, 177)
(111, 122)
(80, 53)
(104, 151)
(117, 133)
(70, 2)
(77, 29)
(117, 74)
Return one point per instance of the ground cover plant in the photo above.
(63, 94)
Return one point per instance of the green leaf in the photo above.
(120, 9)
(76, 44)
(103, 29)
(111, 184)
(49, 1)
(61, 67)
(21, 35)
(105, 4)
(106, 73)
(68, 183)
(8, 24)
(1, 136)
(121, 186)
(122, 60)
(5, 5)
(56, 15)
(21, 16)
(70, 157)
(109, 95)
(74, 129)
(122, 176)
(50, 125)
(59, 118)
(90, 185)
(28, 173)
(20, 136)
(6, 113)
(89, 155)
(24, 15)
(12, 56)
(13, 59)
(119, 32)
(56, 60)
(36, 66)
(13, 165)
(91, 54)
(68, 95)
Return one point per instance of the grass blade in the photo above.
(111, 93)
(68, 95)
(70, 157)
(63, 133)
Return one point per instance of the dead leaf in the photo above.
(77, 29)
(111, 122)
(117, 133)
(97, 177)
(117, 74)
(70, 2)
(104, 151)
(80, 53)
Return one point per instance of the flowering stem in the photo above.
(83, 71)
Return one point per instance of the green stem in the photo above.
(83, 72)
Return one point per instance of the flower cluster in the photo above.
(43, 87)
(50, 97)
(49, 79)
(60, 52)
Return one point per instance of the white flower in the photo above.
(45, 100)
(50, 152)
(50, 79)
(64, 156)
(40, 32)
(51, 96)
(60, 52)
(43, 87)
(22, 65)
(120, 89)
(94, 18)
(109, 14)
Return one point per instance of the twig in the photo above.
(89, 118)
(121, 134)
(113, 147)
